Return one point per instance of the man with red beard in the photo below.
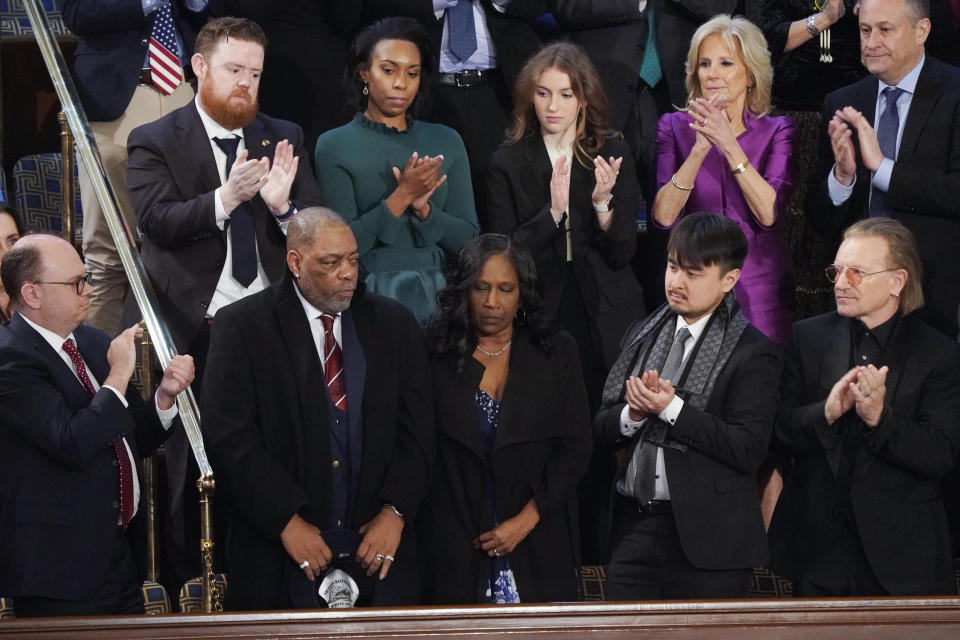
(214, 185)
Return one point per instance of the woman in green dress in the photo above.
(402, 184)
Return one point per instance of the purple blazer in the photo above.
(765, 290)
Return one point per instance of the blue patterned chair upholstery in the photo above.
(14, 20)
(39, 198)
(191, 594)
(155, 599)
(5, 194)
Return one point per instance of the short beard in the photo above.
(224, 112)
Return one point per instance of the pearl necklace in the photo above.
(495, 353)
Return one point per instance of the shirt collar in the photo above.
(312, 312)
(881, 332)
(908, 82)
(213, 128)
(53, 339)
(695, 329)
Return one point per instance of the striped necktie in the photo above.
(333, 364)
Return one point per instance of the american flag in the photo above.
(165, 68)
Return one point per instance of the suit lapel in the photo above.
(193, 142)
(835, 363)
(70, 387)
(256, 141)
(295, 330)
(924, 98)
(459, 406)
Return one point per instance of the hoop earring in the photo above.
(365, 91)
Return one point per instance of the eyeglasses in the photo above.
(854, 276)
(78, 283)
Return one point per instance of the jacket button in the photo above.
(116, 504)
(336, 464)
(116, 462)
(204, 305)
(144, 41)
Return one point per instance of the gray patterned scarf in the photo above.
(705, 363)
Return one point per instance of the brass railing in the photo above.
(140, 285)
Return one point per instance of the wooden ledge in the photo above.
(849, 619)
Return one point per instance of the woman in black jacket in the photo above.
(499, 523)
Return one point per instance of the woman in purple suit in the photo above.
(724, 154)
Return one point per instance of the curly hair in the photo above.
(571, 59)
(358, 59)
(451, 332)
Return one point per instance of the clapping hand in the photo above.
(710, 121)
(605, 172)
(176, 378)
(246, 179)
(417, 182)
(559, 189)
(275, 189)
(844, 156)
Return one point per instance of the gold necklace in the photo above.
(495, 353)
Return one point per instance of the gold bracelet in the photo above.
(740, 168)
(673, 181)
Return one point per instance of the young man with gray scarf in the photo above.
(691, 400)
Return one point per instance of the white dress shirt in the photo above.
(316, 327)
(670, 414)
(166, 415)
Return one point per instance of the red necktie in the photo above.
(119, 450)
(333, 365)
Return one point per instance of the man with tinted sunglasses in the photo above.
(871, 416)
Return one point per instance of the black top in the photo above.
(800, 80)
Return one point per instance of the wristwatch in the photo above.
(812, 25)
(603, 207)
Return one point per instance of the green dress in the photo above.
(400, 257)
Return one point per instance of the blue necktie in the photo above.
(463, 31)
(242, 235)
(887, 130)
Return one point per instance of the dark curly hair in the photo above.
(358, 59)
(450, 330)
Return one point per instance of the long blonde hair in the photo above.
(741, 36)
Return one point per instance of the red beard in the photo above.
(226, 112)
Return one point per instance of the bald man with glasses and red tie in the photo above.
(71, 429)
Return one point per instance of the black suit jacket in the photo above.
(895, 490)
(541, 450)
(266, 426)
(518, 200)
(59, 488)
(924, 187)
(713, 483)
(114, 35)
(172, 176)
